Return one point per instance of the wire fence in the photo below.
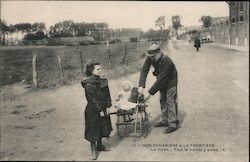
(54, 65)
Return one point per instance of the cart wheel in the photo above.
(145, 127)
(121, 130)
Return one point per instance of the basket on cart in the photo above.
(126, 119)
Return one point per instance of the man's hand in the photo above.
(147, 96)
(140, 90)
(101, 113)
(108, 111)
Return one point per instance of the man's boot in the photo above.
(169, 130)
(93, 151)
(161, 124)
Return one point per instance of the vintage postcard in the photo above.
(124, 81)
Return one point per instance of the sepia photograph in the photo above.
(124, 81)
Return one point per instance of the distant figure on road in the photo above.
(97, 119)
(197, 44)
(166, 83)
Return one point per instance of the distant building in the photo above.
(15, 38)
(239, 22)
(232, 30)
(219, 30)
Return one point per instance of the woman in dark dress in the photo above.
(97, 119)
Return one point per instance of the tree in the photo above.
(12, 29)
(4, 29)
(38, 26)
(68, 28)
(23, 27)
(176, 23)
(62, 29)
(65, 28)
(207, 21)
(101, 30)
(156, 35)
(160, 22)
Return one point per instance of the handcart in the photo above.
(126, 119)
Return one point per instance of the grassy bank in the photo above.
(16, 62)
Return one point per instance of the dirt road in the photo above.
(213, 110)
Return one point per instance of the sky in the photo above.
(118, 14)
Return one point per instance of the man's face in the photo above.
(155, 57)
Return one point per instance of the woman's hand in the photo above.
(101, 113)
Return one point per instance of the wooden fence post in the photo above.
(34, 71)
(125, 53)
(80, 53)
(138, 51)
(60, 65)
(109, 57)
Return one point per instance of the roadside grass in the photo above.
(16, 62)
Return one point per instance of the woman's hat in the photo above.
(153, 49)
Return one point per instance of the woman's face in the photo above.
(97, 70)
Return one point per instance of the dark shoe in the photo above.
(161, 124)
(169, 130)
(102, 148)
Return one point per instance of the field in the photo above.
(16, 62)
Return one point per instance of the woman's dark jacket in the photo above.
(98, 98)
(165, 73)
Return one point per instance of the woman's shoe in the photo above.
(93, 152)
